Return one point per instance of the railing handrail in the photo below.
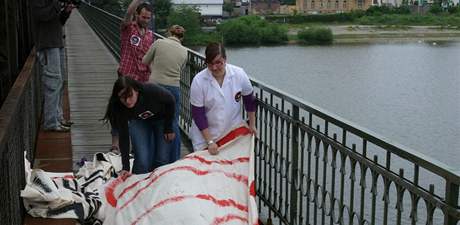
(299, 148)
(12, 101)
(407, 153)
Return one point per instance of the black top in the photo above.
(48, 18)
(154, 103)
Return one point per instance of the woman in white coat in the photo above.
(215, 96)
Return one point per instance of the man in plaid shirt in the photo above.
(136, 39)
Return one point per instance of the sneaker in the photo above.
(66, 123)
(59, 128)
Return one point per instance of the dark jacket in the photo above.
(154, 103)
(48, 19)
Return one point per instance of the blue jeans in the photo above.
(175, 145)
(51, 63)
(150, 148)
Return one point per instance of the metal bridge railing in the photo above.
(313, 167)
(16, 41)
(19, 125)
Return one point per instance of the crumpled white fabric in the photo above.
(65, 195)
(198, 189)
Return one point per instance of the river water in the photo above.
(406, 92)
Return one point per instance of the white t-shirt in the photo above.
(222, 104)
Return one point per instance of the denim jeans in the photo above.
(150, 148)
(175, 145)
(51, 63)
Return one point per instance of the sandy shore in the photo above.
(365, 33)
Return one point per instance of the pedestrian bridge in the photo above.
(312, 167)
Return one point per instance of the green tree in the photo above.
(186, 16)
(228, 7)
(251, 30)
(189, 18)
(162, 11)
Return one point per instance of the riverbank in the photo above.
(375, 33)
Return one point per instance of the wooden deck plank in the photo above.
(92, 72)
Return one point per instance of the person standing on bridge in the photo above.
(143, 113)
(215, 97)
(166, 58)
(136, 38)
(49, 17)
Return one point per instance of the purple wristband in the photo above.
(199, 116)
(249, 102)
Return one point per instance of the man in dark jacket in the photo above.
(49, 17)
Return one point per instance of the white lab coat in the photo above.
(222, 104)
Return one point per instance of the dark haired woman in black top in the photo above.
(144, 113)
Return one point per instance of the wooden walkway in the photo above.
(91, 74)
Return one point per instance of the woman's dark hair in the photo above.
(145, 5)
(114, 107)
(213, 50)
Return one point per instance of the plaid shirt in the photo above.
(133, 48)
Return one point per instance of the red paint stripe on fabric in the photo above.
(221, 203)
(232, 135)
(252, 189)
(237, 177)
(133, 185)
(221, 162)
(240, 131)
(227, 218)
(110, 188)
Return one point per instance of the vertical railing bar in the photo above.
(278, 158)
(451, 196)
(261, 191)
(316, 185)
(334, 166)
(267, 187)
(374, 192)
(399, 199)
(388, 162)
(301, 172)
(326, 127)
(283, 161)
(289, 164)
(352, 187)
(309, 175)
(270, 151)
(295, 162)
(364, 148)
(416, 174)
(323, 193)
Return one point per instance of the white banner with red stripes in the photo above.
(196, 190)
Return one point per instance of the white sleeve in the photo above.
(246, 86)
(196, 94)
